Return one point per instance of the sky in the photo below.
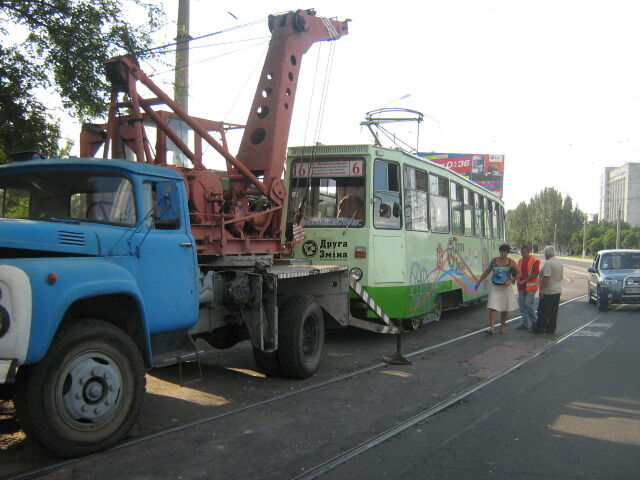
(554, 85)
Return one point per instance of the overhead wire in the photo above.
(152, 50)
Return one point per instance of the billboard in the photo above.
(483, 169)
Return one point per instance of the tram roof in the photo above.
(366, 149)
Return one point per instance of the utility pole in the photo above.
(181, 87)
(555, 236)
(584, 238)
(618, 227)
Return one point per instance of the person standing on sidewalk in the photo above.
(503, 271)
(550, 289)
(527, 287)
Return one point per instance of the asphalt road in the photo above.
(574, 413)
(528, 414)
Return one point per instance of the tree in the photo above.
(518, 228)
(66, 46)
(546, 214)
(630, 239)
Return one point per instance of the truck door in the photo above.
(168, 266)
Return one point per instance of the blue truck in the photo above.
(100, 280)
(112, 266)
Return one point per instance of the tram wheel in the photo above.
(437, 308)
(413, 323)
(301, 336)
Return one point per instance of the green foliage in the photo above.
(66, 46)
(546, 215)
(534, 224)
(14, 203)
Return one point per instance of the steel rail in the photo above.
(55, 466)
(332, 463)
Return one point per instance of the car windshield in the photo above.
(620, 261)
(68, 195)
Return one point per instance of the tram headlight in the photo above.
(5, 320)
(355, 273)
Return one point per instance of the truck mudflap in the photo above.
(386, 327)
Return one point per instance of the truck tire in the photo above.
(602, 302)
(267, 362)
(85, 394)
(301, 336)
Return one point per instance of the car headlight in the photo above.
(355, 273)
(5, 320)
(610, 281)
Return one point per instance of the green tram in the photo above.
(415, 235)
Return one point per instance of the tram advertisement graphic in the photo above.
(327, 249)
(452, 264)
(482, 169)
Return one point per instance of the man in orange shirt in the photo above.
(527, 287)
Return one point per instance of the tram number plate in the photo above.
(329, 168)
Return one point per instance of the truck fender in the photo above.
(77, 281)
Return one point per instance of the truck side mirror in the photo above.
(591, 270)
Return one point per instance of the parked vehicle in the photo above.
(614, 278)
(110, 267)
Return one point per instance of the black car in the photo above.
(614, 277)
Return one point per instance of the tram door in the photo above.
(388, 239)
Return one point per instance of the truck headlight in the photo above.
(355, 273)
(610, 281)
(5, 320)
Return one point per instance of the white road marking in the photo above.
(601, 325)
(588, 333)
(576, 270)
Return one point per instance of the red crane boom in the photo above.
(245, 217)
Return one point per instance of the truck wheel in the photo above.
(602, 302)
(301, 336)
(85, 394)
(267, 362)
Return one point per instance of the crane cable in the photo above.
(302, 205)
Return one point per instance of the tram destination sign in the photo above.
(329, 168)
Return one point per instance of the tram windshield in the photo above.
(330, 192)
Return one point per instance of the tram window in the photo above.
(479, 227)
(439, 204)
(457, 209)
(489, 219)
(500, 222)
(386, 181)
(468, 212)
(329, 198)
(415, 199)
(496, 231)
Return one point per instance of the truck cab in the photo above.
(96, 261)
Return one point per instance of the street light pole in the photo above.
(618, 228)
(584, 238)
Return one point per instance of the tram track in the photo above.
(334, 462)
(342, 458)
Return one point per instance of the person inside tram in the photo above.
(351, 206)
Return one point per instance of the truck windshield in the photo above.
(331, 192)
(68, 195)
